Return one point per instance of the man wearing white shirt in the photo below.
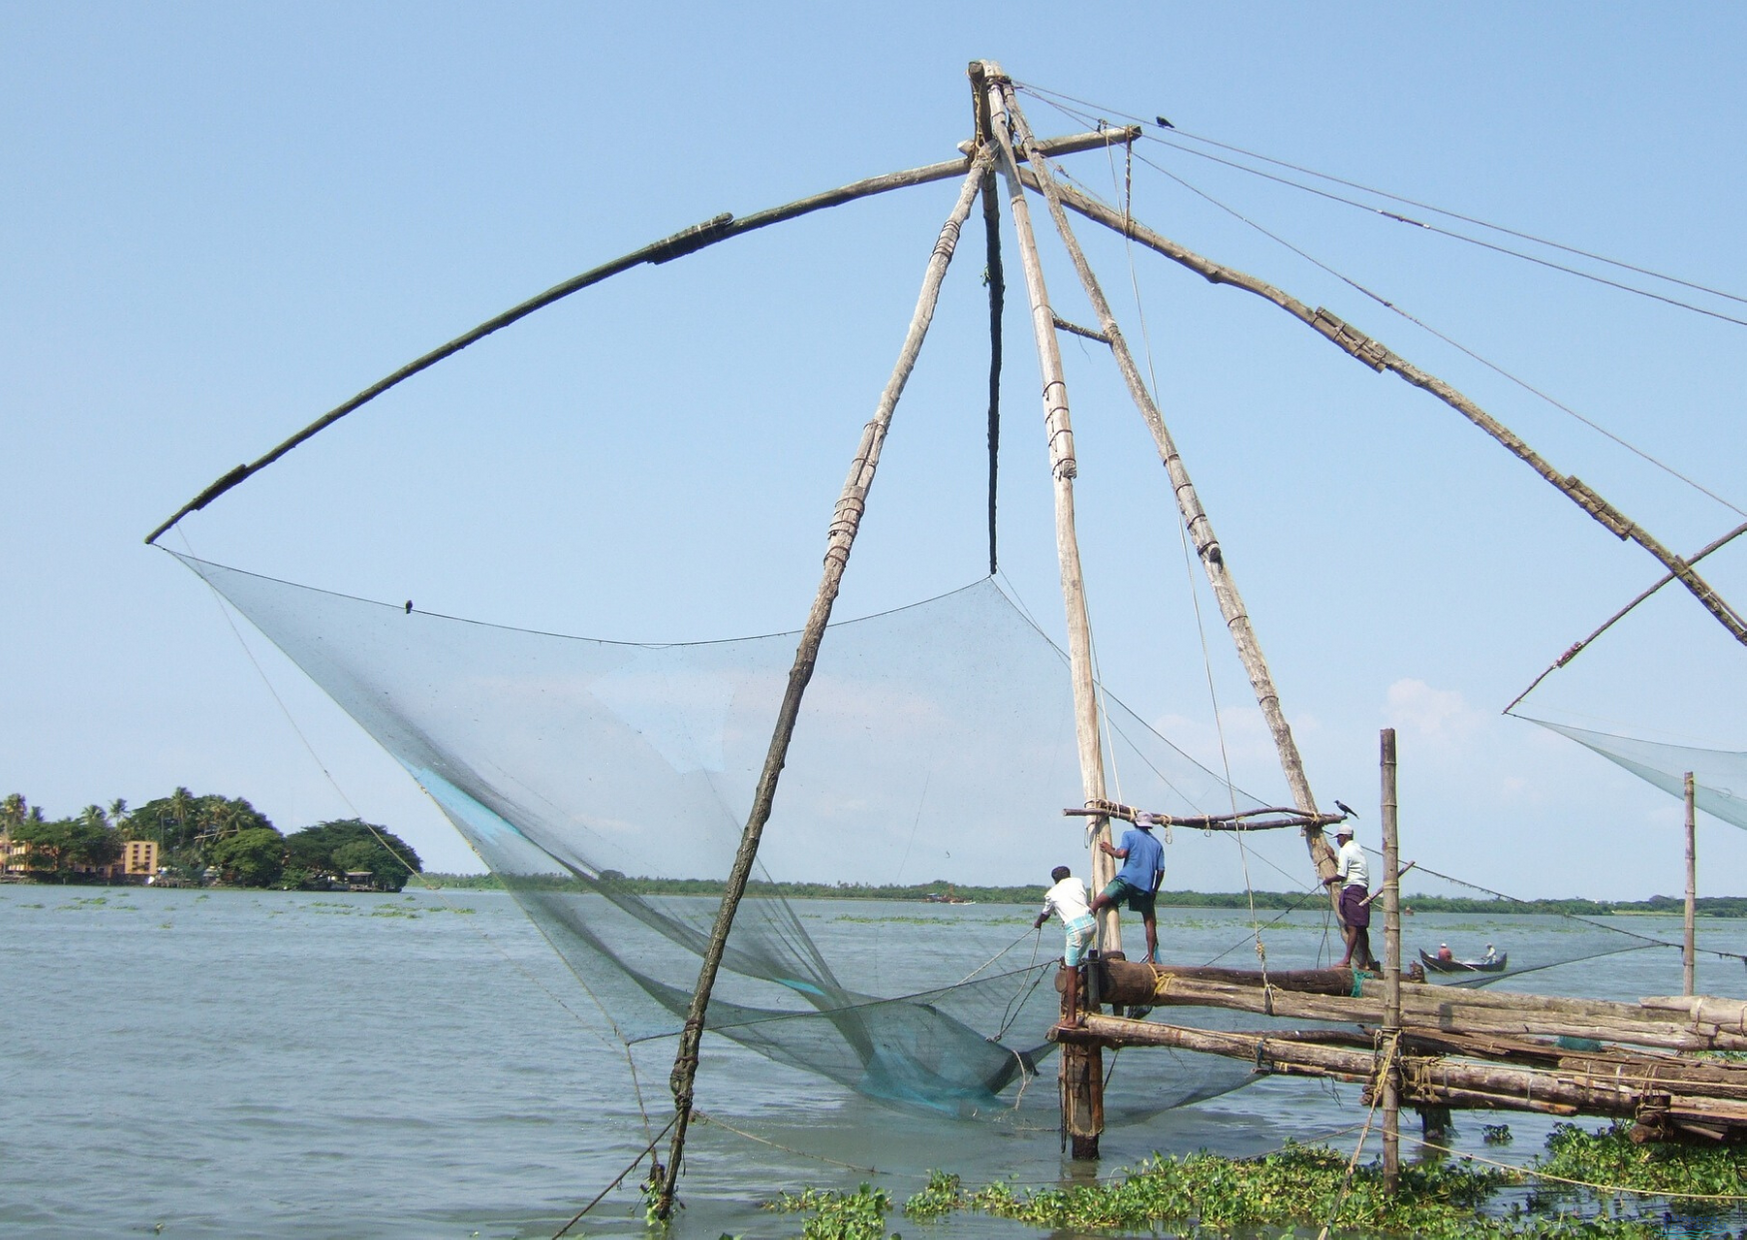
(1068, 899)
(1355, 879)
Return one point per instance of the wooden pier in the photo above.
(1433, 1048)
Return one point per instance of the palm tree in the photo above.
(118, 813)
(181, 808)
(93, 816)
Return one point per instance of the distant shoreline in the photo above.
(1707, 906)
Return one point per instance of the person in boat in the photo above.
(1067, 899)
(1491, 956)
(1444, 952)
(1137, 882)
(1355, 880)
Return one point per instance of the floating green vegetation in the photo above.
(1608, 1156)
(860, 1215)
(1205, 1196)
(394, 910)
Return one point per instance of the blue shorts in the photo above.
(1081, 932)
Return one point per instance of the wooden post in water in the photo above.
(1689, 954)
(1391, 969)
(1082, 1077)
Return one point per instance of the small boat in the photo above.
(949, 896)
(1434, 965)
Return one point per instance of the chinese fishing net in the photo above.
(938, 734)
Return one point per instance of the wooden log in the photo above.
(987, 79)
(1375, 355)
(1196, 521)
(1434, 1007)
(1431, 1082)
(686, 241)
(1132, 982)
(840, 539)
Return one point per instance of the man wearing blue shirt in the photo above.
(1137, 882)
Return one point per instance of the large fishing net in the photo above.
(579, 769)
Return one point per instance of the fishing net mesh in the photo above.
(1719, 776)
(936, 736)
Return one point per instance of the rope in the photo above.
(1606, 1188)
(702, 1118)
(1353, 1162)
(617, 1180)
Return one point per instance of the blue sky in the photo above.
(219, 221)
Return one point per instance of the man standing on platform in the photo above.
(1137, 882)
(1355, 882)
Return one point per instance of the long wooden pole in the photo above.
(1195, 519)
(845, 521)
(987, 76)
(1689, 954)
(1391, 968)
(1376, 355)
(686, 241)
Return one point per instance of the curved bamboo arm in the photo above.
(686, 241)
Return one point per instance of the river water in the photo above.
(269, 1064)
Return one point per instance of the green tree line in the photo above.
(1708, 906)
(209, 835)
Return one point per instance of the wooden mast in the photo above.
(986, 77)
(845, 521)
(1200, 528)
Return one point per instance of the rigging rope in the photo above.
(1452, 342)
(1039, 93)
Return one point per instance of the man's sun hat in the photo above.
(1343, 829)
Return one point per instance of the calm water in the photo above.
(299, 1065)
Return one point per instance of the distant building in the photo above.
(139, 858)
(13, 854)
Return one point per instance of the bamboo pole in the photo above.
(1578, 647)
(845, 521)
(1391, 968)
(986, 77)
(1375, 355)
(686, 241)
(1199, 526)
(1688, 954)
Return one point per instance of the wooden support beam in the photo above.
(1439, 1081)
(1688, 950)
(988, 79)
(1378, 357)
(1196, 522)
(840, 539)
(1134, 983)
(1391, 963)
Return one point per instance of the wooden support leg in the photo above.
(1082, 1098)
(1434, 1122)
